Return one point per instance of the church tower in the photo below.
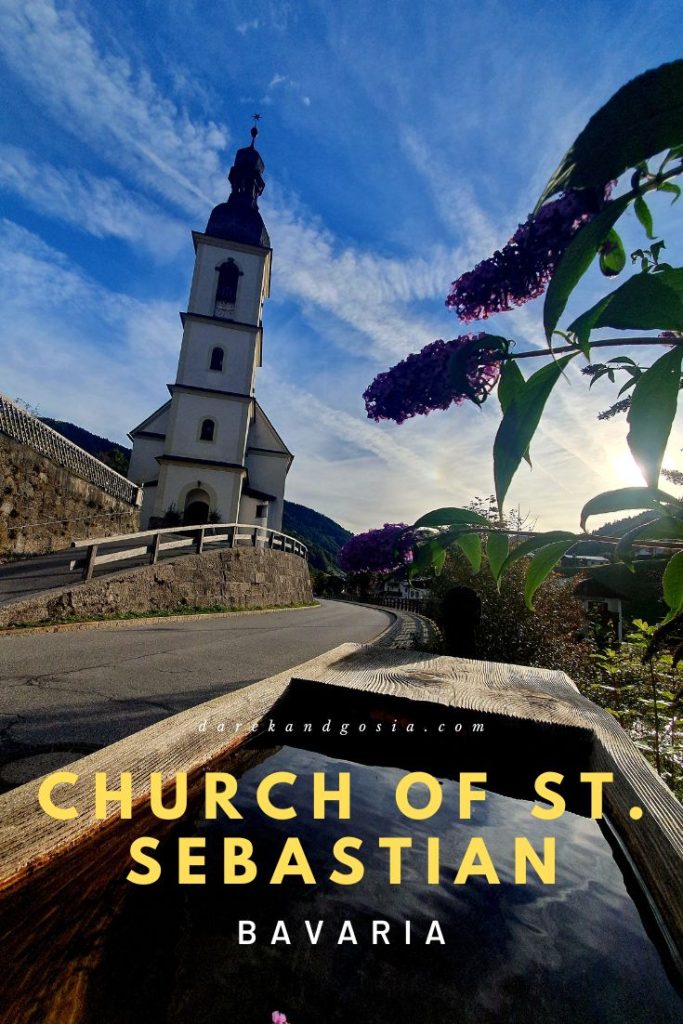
(210, 453)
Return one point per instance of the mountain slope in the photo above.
(321, 535)
(93, 443)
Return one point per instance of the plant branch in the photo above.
(603, 343)
(663, 544)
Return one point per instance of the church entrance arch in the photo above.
(197, 505)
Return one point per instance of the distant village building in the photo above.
(404, 590)
(211, 453)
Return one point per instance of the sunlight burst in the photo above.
(625, 471)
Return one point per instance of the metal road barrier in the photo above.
(21, 426)
(195, 538)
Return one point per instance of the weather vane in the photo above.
(255, 117)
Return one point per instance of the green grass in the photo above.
(159, 614)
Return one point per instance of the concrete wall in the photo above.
(34, 490)
(232, 578)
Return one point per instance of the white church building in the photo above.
(210, 453)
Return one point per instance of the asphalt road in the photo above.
(66, 694)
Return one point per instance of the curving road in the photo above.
(66, 694)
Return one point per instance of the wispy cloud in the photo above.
(280, 83)
(105, 100)
(76, 349)
(243, 27)
(102, 357)
(103, 207)
(375, 295)
(453, 198)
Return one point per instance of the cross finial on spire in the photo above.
(254, 131)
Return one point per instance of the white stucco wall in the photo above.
(230, 416)
(267, 473)
(149, 499)
(176, 480)
(239, 357)
(252, 287)
(143, 464)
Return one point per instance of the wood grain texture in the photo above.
(29, 840)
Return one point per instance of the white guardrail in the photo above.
(20, 425)
(196, 537)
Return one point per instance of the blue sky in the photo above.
(403, 142)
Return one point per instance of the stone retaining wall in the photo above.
(44, 507)
(230, 578)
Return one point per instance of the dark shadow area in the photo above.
(459, 620)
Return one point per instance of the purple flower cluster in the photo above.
(522, 269)
(378, 550)
(442, 373)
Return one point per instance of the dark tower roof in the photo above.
(239, 219)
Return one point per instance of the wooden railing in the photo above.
(21, 426)
(194, 538)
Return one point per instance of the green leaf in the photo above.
(497, 550)
(657, 248)
(663, 527)
(542, 565)
(612, 255)
(438, 560)
(452, 517)
(576, 260)
(643, 118)
(642, 211)
(532, 544)
(646, 302)
(470, 545)
(494, 341)
(668, 186)
(511, 381)
(652, 412)
(519, 423)
(429, 555)
(603, 371)
(673, 585)
(627, 386)
(624, 498)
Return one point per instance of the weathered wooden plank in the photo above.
(29, 839)
(120, 556)
(172, 544)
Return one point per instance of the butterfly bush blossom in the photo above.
(443, 373)
(522, 269)
(378, 550)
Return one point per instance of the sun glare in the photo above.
(625, 471)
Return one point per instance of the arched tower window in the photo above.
(207, 431)
(216, 359)
(226, 290)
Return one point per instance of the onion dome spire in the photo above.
(239, 219)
